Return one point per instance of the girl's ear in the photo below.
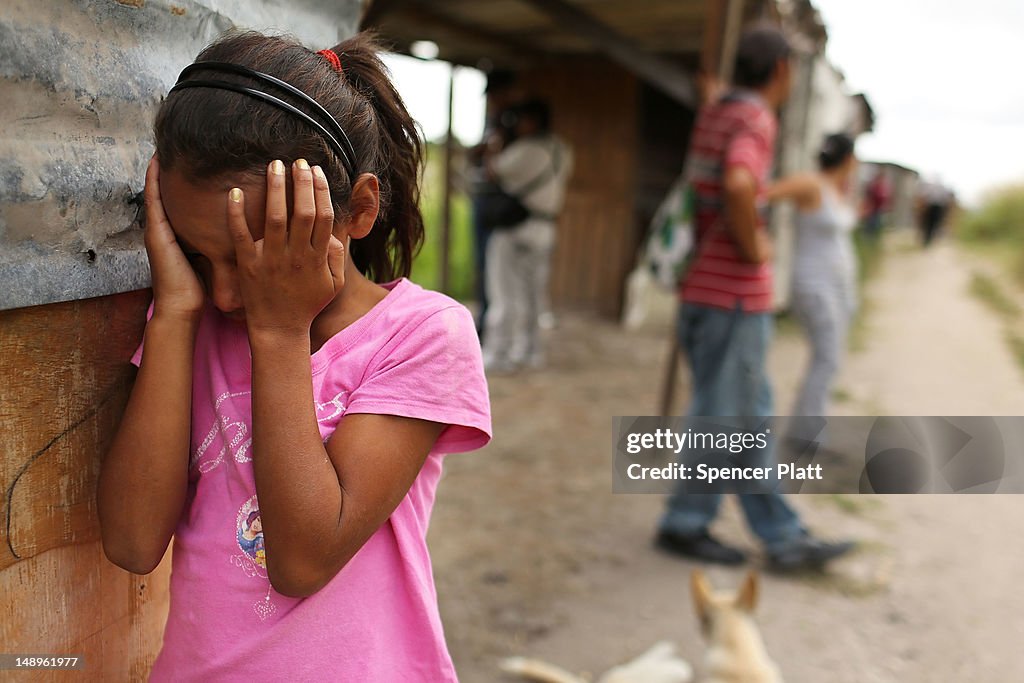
(364, 205)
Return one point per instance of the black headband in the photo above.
(335, 137)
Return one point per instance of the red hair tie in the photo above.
(331, 57)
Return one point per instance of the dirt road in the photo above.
(534, 555)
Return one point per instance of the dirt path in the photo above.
(534, 555)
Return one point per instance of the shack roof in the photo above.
(660, 40)
(515, 32)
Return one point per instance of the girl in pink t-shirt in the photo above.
(290, 414)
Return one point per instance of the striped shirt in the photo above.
(738, 130)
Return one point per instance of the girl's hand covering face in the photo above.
(176, 289)
(297, 268)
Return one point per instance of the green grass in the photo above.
(859, 506)
(860, 330)
(869, 260)
(988, 291)
(840, 395)
(998, 225)
(869, 255)
(1016, 342)
(995, 231)
(426, 267)
(992, 295)
(786, 324)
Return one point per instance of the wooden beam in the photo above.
(374, 10)
(446, 203)
(661, 73)
(730, 39)
(425, 14)
(721, 35)
(714, 19)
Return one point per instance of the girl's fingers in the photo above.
(336, 261)
(245, 248)
(158, 236)
(276, 230)
(155, 215)
(300, 228)
(323, 226)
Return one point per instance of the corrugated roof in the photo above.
(517, 32)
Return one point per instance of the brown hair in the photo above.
(213, 132)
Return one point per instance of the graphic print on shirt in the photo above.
(332, 409)
(236, 437)
(234, 434)
(232, 426)
(253, 558)
(249, 535)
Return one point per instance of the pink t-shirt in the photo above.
(415, 354)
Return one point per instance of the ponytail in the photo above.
(393, 151)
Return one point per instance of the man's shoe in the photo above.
(702, 547)
(806, 552)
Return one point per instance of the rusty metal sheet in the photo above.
(79, 84)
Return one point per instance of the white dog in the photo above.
(660, 664)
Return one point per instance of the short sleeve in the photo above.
(137, 356)
(434, 372)
(751, 148)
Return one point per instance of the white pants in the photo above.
(824, 311)
(518, 270)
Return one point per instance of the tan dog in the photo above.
(736, 653)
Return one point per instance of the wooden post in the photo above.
(446, 203)
(721, 36)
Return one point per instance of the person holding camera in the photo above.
(531, 175)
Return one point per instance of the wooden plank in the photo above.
(717, 57)
(515, 32)
(375, 10)
(658, 71)
(64, 380)
(721, 35)
(730, 39)
(594, 104)
(446, 200)
(422, 16)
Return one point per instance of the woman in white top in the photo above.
(824, 266)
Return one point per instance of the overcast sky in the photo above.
(424, 87)
(943, 76)
(945, 81)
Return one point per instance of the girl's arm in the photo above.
(318, 504)
(144, 477)
(803, 189)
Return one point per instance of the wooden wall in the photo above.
(594, 108)
(64, 380)
(663, 134)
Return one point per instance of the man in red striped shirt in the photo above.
(725, 320)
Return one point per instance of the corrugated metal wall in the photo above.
(79, 81)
